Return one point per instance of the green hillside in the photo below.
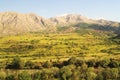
(70, 47)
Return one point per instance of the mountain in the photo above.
(12, 23)
(76, 18)
(70, 19)
(76, 22)
(15, 23)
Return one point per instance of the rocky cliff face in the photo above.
(14, 23)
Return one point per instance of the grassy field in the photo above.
(41, 47)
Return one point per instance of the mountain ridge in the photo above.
(12, 23)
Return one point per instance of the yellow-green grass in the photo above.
(56, 47)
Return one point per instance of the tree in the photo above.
(104, 63)
(37, 76)
(15, 64)
(113, 64)
(29, 65)
(99, 76)
(65, 73)
(72, 60)
(114, 73)
(47, 64)
(106, 74)
(90, 74)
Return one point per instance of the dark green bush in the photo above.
(10, 77)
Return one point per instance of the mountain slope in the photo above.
(14, 23)
(76, 18)
(75, 22)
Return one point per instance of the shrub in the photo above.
(91, 63)
(72, 60)
(65, 73)
(15, 64)
(114, 73)
(24, 76)
(104, 63)
(113, 64)
(90, 74)
(10, 77)
(99, 76)
(29, 65)
(47, 64)
(37, 76)
(106, 74)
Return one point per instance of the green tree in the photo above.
(104, 63)
(90, 74)
(99, 76)
(16, 63)
(114, 73)
(113, 64)
(29, 65)
(65, 73)
(37, 76)
(106, 73)
(47, 64)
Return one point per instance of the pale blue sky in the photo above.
(106, 9)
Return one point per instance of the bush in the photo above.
(72, 60)
(90, 74)
(91, 63)
(104, 63)
(47, 64)
(114, 73)
(106, 74)
(10, 77)
(99, 76)
(65, 73)
(29, 65)
(15, 64)
(24, 76)
(113, 64)
(37, 76)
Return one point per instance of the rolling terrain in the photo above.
(67, 47)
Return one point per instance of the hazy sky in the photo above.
(106, 9)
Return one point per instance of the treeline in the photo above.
(72, 69)
(17, 63)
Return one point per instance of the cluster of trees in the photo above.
(16, 63)
(69, 72)
(72, 69)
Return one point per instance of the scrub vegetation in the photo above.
(59, 56)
